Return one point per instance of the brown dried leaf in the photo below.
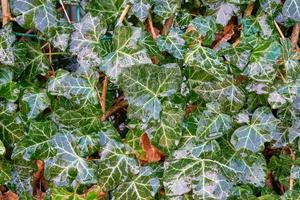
(152, 154)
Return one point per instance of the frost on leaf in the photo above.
(6, 41)
(257, 132)
(144, 87)
(41, 15)
(86, 40)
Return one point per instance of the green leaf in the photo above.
(226, 93)
(206, 27)
(253, 135)
(291, 9)
(67, 166)
(205, 177)
(291, 63)
(86, 118)
(261, 24)
(61, 193)
(145, 85)
(7, 39)
(212, 123)
(86, 40)
(173, 43)
(115, 165)
(143, 186)
(166, 8)
(9, 89)
(40, 15)
(2, 148)
(263, 60)
(59, 35)
(5, 171)
(109, 9)
(167, 132)
(30, 60)
(126, 52)
(36, 145)
(21, 178)
(238, 56)
(11, 127)
(207, 60)
(74, 86)
(34, 103)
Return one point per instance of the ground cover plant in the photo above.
(149, 99)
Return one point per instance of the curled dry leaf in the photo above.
(152, 154)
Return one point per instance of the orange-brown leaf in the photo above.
(152, 154)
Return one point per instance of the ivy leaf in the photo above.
(85, 118)
(143, 186)
(9, 89)
(226, 93)
(109, 9)
(167, 133)
(60, 193)
(30, 60)
(71, 85)
(238, 56)
(257, 132)
(11, 127)
(205, 177)
(207, 60)
(67, 167)
(150, 45)
(145, 85)
(59, 35)
(34, 103)
(173, 43)
(7, 39)
(115, 166)
(206, 27)
(166, 8)
(263, 60)
(86, 40)
(212, 123)
(291, 9)
(140, 8)
(225, 12)
(261, 24)
(40, 15)
(126, 52)
(36, 145)
(291, 62)
(5, 171)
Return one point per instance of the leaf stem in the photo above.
(151, 28)
(248, 10)
(123, 15)
(104, 91)
(5, 12)
(115, 108)
(279, 30)
(64, 9)
(55, 53)
(293, 157)
(295, 35)
(78, 13)
(25, 35)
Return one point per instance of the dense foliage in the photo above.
(150, 99)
